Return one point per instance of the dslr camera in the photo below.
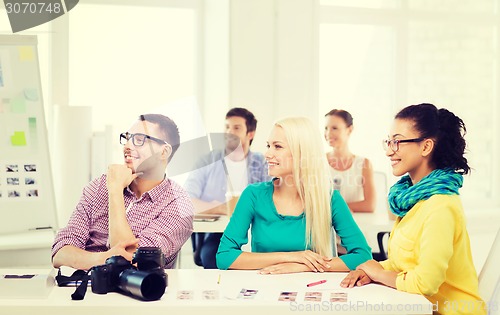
(146, 282)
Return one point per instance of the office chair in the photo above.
(197, 239)
(380, 180)
(382, 253)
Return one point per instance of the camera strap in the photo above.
(79, 276)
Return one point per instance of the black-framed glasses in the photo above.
(394, 143)
(138, 139)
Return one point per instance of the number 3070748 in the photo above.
(38, 7)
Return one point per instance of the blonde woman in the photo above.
(291, 217)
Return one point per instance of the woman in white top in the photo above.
(352, 175)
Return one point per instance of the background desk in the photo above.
(211, 227)
(369, 223)
(370, 299)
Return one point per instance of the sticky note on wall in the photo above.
(18, 105)
(18, 139)
(26, 53)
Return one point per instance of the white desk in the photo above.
(369, 223)
(26, 249)
(211, 227)
(370, 299)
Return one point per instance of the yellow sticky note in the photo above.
(26, 53)
(18, 139)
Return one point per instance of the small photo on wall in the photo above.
(30, 167)
(11, 168)
(32, 193)
(14, 194)
(29, 181)
(12, 181)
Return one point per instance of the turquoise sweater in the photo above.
(273, 232)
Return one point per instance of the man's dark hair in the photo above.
(250, 120)
(167, 127)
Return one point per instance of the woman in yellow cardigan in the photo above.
(429, 248)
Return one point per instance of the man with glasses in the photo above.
(224, 173)
(133, 205)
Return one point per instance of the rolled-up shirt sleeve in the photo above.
(77, 231)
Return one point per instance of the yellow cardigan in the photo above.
(430, 250)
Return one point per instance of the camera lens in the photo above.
(148, 258)
(145, 285)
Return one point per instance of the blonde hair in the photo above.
(312, 180)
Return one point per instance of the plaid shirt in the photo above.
(162, 217)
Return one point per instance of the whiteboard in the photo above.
(26, 185)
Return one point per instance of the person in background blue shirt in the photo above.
(291, 217)
(222, 172)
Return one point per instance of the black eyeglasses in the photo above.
(138, 139)
(394, 143)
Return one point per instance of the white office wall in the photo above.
(358, 76)
(273, 60)
(214, 68)
(130, 60)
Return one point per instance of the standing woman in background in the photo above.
(429, 247)
(352, 175)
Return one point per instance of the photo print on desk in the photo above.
(287, 296)
(185, 295)
(210, 295)
(338, 297)
(313, 296)
(247, 294)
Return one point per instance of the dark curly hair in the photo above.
(445, 128)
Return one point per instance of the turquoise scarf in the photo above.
(404, 195)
